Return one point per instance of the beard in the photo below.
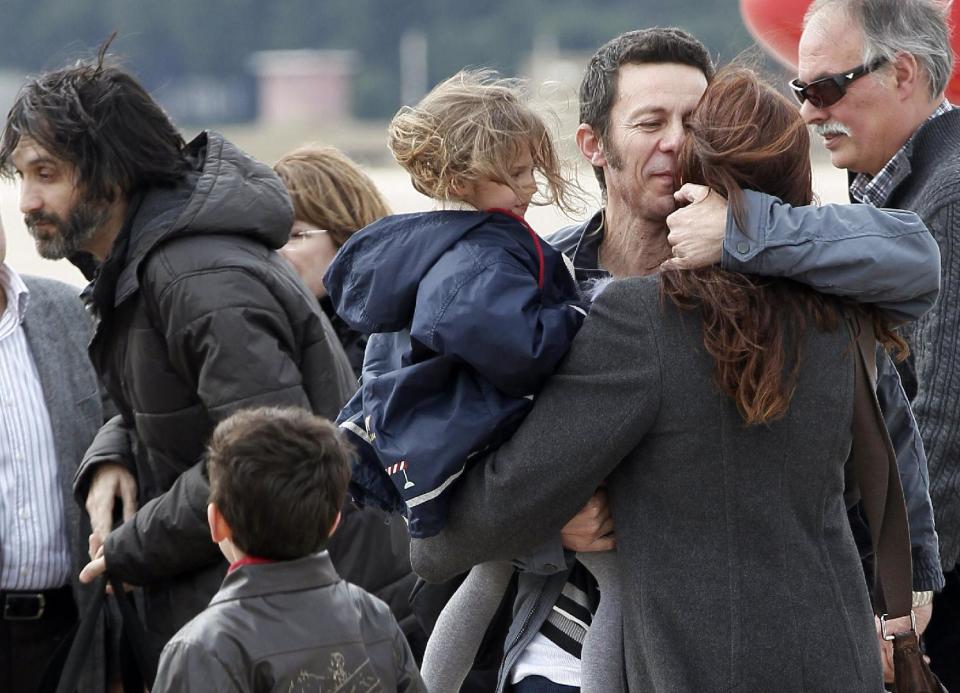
(612, 154)
(68, 236)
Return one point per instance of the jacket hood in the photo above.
(225, 192)
(373, 279)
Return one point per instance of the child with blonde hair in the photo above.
(472, 312)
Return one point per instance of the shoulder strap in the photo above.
(875, 471)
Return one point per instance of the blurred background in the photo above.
(275, 75)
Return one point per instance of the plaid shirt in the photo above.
(875, 190)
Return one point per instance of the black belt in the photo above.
(32, 605)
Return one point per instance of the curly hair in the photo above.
(330, 191)
(471, 127)
(744, 134)
(100, 119)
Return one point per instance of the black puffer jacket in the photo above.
(354, 343)
(198, 317)
(372, 550)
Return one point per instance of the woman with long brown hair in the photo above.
(332, 199)
(745, 135)
(718, 408)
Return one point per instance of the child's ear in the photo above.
(219, 529)
(336, 523)
(461, 189)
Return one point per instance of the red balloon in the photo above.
(777, 24)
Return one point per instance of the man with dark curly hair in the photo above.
(196, 314)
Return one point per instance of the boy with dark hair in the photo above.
(283, 618)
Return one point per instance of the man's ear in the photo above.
(219, 529)
(908, 76)
(336, 523)
(590, 145)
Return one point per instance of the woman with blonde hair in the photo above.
(332, 198)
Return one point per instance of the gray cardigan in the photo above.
(738, 566)
(932, 190)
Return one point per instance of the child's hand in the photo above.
(591, 529)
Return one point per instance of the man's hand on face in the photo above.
(697, 228)
(591, 529)
(109, 481)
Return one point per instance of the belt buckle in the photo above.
(23, 607)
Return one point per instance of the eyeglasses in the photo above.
(826, 91)
(301, 234)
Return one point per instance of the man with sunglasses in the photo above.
(871, 82)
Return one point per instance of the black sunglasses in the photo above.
(826, 91)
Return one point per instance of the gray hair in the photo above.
(918, 27)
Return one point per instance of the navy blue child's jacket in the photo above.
(473, 312)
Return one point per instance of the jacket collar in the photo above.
(310, 572)
(581, 243)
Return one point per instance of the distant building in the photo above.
(303, 85)
(195, 99)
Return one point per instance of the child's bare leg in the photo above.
(601, 658)
(456, 637)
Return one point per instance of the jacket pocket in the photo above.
(176, 438)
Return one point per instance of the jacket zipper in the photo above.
(519, 636)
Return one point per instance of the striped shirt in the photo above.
(34, 545)
(554, 652)
(874, 190)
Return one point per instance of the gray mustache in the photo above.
(831, 128)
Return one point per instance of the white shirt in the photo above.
(34, 544)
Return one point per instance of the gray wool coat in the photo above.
(738, 568)
(58, 328)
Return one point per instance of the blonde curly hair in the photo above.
(330, 191)
(472, 127)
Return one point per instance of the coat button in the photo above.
(743, 247)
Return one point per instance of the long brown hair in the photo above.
(743, 134)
